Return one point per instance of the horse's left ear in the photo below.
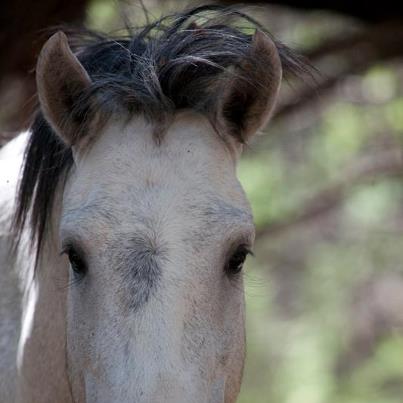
(249, 95)
(61, 80)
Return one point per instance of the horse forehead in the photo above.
(190, 163)
(188, 145)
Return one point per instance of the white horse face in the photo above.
(156, 236)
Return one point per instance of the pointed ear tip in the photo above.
(58, 42)
(58, 38)
(263, 40)
(258, 34)
(265, 45)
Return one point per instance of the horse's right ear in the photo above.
(247, 98)
(61, 81)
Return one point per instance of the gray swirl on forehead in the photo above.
(138, 259)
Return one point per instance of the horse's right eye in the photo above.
(235, 263)
(77, 263)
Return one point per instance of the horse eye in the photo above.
(77, 263)
(235, 263)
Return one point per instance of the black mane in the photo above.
(167, 65)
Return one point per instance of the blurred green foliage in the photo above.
(302, 288)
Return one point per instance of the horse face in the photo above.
(156, 235)
(154, 224)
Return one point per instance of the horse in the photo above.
(124, 228)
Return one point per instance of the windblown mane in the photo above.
(168, 65)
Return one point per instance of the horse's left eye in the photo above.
(236, 261)
(77, 263)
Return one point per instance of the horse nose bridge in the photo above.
(174, 388)
(183, 387)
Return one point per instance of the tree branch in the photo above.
(385, 164)
(354, 54)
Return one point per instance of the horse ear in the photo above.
(249, 95)
(61, 80)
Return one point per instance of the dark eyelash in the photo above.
(77, 262)
(235, 262)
